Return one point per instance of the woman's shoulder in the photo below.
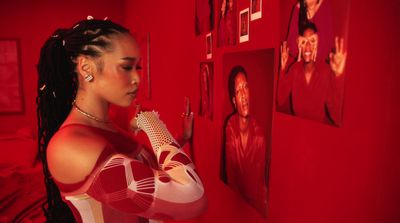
(73, 152)
(76, 137)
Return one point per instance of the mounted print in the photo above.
(204, 16)
(313, 56)
(244, 25)
(247, 90)
(11, 96)
(206, 80)
(256, 9)
(227, 33)
(209, 46)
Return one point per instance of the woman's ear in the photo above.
(234, 101)
(85, 68)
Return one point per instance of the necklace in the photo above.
(87, 114)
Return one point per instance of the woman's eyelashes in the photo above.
(131, 67)
(127, 68)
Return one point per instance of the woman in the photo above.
(311, 88)
(318, 12)
(95, 167)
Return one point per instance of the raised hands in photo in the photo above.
(284, 55)
(338, 57)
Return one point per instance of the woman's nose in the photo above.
(135, 78)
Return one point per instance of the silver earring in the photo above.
(88, 77)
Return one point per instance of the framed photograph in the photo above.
(204, 16)
(209, 46)
(206, 80)
(318, 96)
(227, 32)
(247, 90)
(244, 25)
(255, 6)
(11, 95)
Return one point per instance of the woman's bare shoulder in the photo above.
(72, 153)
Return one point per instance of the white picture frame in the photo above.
(256, 9)
(244, 25)
(209, 45)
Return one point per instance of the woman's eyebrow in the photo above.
(133, 59)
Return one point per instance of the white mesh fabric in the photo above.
(155, 129)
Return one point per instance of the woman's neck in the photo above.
(93, 106)
(309, 70)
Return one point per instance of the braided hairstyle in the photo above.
(303, 19)
(57, 87)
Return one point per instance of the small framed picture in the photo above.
(11, 90)
(227, 20)
(209, 46)
(206, 80)
(255, 6)
(244, 25)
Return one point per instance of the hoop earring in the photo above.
(88, 77)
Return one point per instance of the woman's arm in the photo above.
(173, 191)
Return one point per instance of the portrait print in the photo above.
(11, 95)
(204, 16)
(244, 25)
(255, 6)
(247, 108)
(206, 76)
(313, 56)
(226, 23)
(209, 46)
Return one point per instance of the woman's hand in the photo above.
(284, 55)
(133, 122)
(338, 58)
(187, 121)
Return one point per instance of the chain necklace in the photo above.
(87, 114)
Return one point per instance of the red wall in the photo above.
(318, 173)
(32, 22)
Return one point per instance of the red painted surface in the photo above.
(318, 173)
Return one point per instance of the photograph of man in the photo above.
(245, 145)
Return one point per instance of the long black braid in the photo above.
(57, 87)
(303, 19)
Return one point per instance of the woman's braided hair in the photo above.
(57, 87)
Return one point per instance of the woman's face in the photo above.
(118, 81)
(242, 95)
(308, 44)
